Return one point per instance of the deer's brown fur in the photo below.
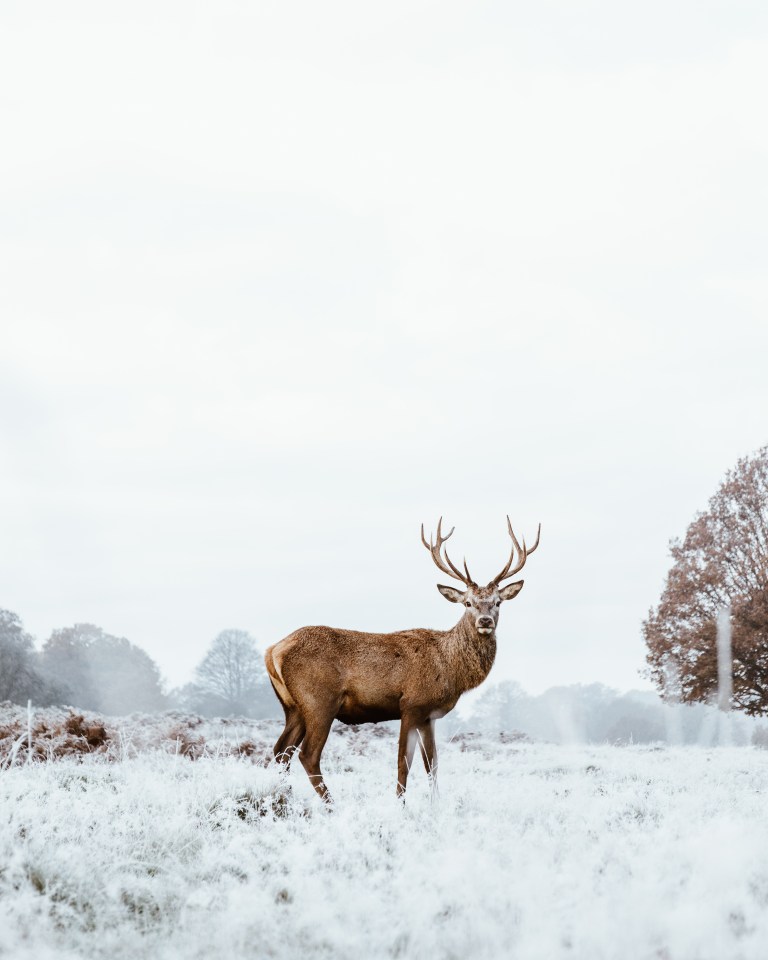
(415, 676)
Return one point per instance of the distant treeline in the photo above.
(594, 713)
(83, 666)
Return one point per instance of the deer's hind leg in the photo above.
(318, 710)
(291, 737)
(293, 733)
(318, 726)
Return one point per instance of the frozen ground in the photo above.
(533, 851)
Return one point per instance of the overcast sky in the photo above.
(280, 281)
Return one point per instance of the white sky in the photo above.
(279, 282)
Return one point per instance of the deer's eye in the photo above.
(467, 603)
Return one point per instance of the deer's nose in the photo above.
(485, 621)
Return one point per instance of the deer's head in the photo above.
(482, 603)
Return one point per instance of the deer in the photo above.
(322, 674)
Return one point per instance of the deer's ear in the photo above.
(511, 590)
(450, 593)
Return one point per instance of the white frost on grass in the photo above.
(534, 851)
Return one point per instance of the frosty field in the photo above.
(531, 851)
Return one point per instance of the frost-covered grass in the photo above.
(533, 851)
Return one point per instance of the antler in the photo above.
(435, 549)
(523, 554)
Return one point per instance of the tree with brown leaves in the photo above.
(722, 561)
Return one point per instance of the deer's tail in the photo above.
(273, 658)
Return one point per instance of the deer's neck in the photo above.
(471, 654)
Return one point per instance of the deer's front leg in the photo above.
(405, 749)
(429, 752)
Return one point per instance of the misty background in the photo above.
(280, 283)
(86, 669)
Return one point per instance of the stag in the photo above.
(322, 674)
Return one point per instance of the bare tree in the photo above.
(231, 679)
(721, 561)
